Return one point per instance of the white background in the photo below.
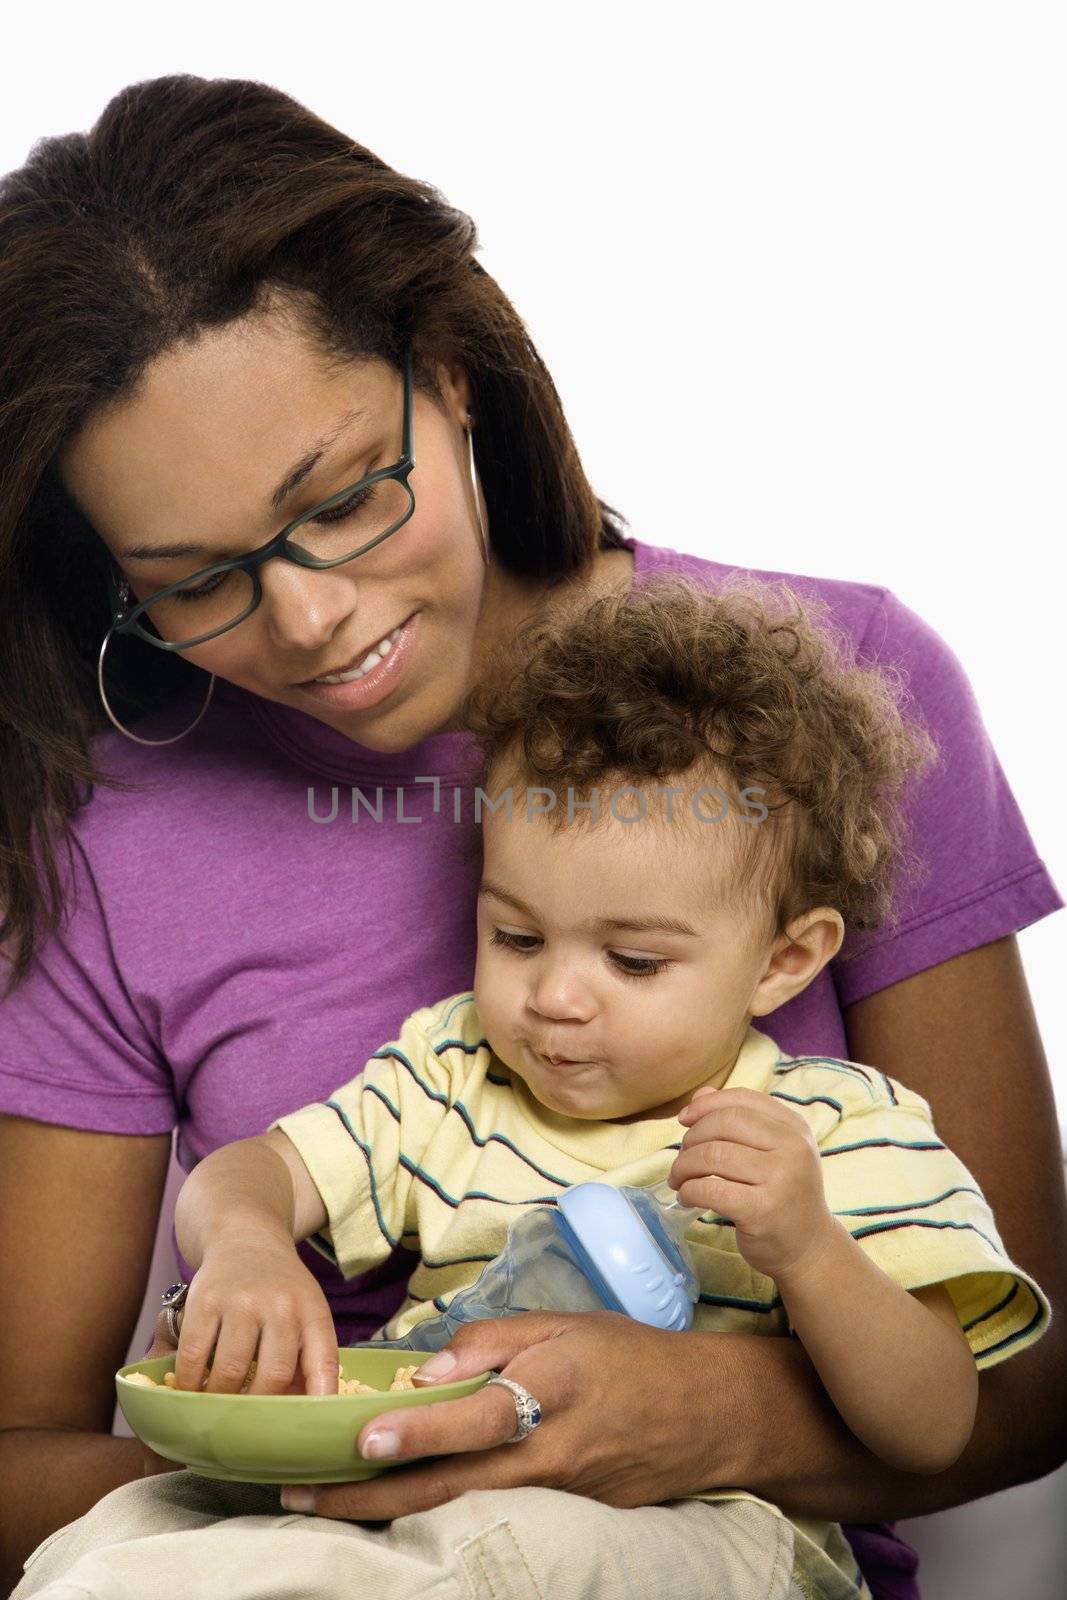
(821, 248)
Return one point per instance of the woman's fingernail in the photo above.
(437, 1366)
(382, 1445)
(298, 1498)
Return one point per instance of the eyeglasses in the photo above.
(216, 598)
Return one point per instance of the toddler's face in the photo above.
(642, 1015)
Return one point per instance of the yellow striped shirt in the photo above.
(438, 1146)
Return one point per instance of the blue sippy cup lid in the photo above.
(633, 1267)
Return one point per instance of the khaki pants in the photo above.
(182, 1537)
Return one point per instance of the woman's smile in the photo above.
(388, 662)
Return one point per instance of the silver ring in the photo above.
(173, 1303)
(527, 1409)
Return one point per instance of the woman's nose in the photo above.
(303, 609)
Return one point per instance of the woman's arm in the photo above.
(882, 1352)
(962, 1035)
(78, 1217)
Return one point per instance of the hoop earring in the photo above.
(474, 484)
(124, 594)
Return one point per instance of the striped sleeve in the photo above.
(363, 1147)
(920, 1215)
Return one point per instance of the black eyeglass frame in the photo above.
(128, 621)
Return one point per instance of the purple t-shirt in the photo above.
(232, 954)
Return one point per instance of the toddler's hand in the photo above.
(253, 1297)
(754, 1161)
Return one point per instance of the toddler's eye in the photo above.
(512, 941)
(638, 966)
(629, 966)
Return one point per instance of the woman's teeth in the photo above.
(380, 651)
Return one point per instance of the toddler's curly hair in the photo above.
(743, 686)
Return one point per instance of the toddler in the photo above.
(689, 796)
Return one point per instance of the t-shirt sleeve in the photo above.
(364, 1148)
(979, 875)
(920, 1215)
(74, 1047)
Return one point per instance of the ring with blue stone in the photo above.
(527, 1409)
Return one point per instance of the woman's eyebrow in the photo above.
(296, 477)
(289, 484)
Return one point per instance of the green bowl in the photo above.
(275, 1438)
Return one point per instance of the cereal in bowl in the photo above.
(402, 1379)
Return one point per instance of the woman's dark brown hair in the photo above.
(190, 203)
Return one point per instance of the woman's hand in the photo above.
(252, 1297)
(162, 1345)
(756, 1161)
(631, 1416)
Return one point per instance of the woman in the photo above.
(219, 316)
